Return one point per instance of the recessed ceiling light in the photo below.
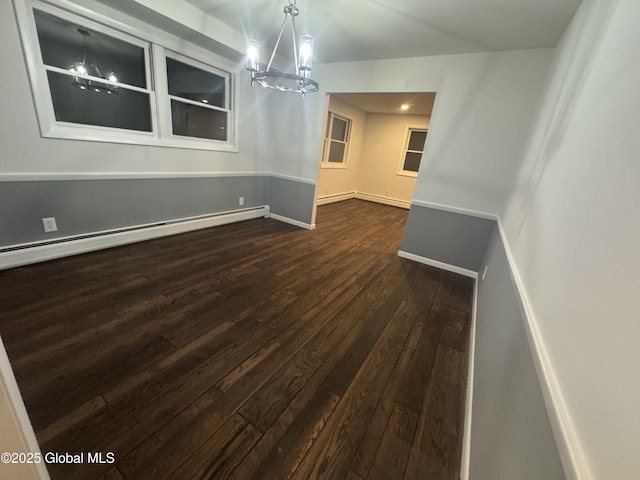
(404, 107)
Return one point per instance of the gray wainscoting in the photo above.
(86, 206)
(452, 238)
(511, 437)
(292, 199)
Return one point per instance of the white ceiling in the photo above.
(354, 30)
(419, 103)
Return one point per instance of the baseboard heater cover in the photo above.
(27, 253)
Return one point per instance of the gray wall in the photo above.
(452, 238)
(511, 436)
(82, 207)
(86, 206)
(291, 199)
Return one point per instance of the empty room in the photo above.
(319, 240)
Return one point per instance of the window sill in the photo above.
(407, 174)
(328, 166)
(138, 138)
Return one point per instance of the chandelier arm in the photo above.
(295, 45)
(275, 48)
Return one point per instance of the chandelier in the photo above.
(299, 81)
(86, 70)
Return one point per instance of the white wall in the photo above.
(24, 151)
(290, 129)
(573, 228)
(336, 180)
(481, 118)
(382, 155)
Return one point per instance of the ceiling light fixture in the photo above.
(404, 107)
(86, 71)
(298, 82)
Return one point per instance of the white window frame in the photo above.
(156, 45)
(405, 150)
(207, 68)
(328, 140)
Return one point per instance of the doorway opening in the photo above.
(373, 146)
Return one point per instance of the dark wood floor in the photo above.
(253, 350)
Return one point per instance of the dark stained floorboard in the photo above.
(251, 350)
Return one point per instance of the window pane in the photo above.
(67, 45)
(339, 131)
(416, 140)
(336, 152)
(193, 121)
(122, 108)
(412, 162)
(195, 84)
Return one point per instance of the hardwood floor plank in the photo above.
(416, 381)
(366, 453)
(245, 350)
(112, 474)
(179, 436)
(393, 453)
(330, 455)
(284, 458)
(263, 448)
(455, 333)
(267, 404)
(437, 447)
(351, 475)
(84, 411)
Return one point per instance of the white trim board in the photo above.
(291, 221)
(468, 416)
(50, 176)
(65, 248)
(452, 209)
(394, 202)
(337, 197)
(17, 410)
(437, 264)
(574, 461)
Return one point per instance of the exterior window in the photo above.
(337, 140)
(92, 81)
(94, 78)
(413, 151)
(199, 101)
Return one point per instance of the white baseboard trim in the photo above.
(394, 202)
(452, 209)
(14, 408)
(466, 436)
(338, 197)
(291, 221)
(437, 264)
(70, 246)
(574, 461)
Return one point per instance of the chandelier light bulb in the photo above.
(253, 55)
(112, 77)
(81, 69)
(306, 52)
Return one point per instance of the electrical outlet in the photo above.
(49, 224)
(241, 201)
(484, 273)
